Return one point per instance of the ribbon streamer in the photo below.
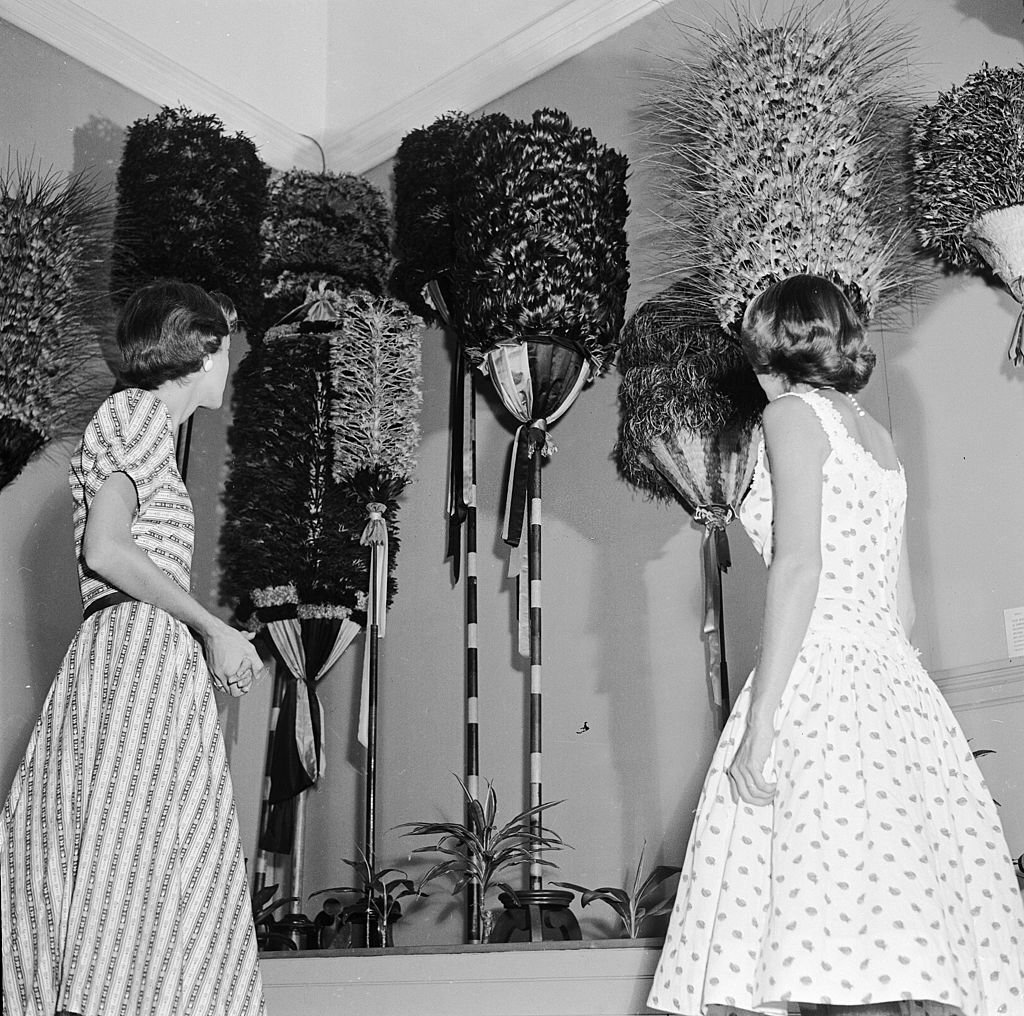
(375, 536)
(458, 449)
(1016, 350)
(717, 558)
(529, 439)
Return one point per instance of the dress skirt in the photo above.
(880, 870)
(123, 878)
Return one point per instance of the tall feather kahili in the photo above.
(52, 309)
(779, 153)
(690, 408)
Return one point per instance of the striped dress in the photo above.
(124, 889)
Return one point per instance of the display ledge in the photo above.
(599, 978)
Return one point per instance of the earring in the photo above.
(208, 363)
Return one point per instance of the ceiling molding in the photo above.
(574, 27)
(147, 72)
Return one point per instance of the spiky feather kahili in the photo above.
(778, 153)
(51, 309)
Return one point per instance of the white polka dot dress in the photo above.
(880, 871)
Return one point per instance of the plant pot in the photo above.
(536, 915)
(363, 934)
(296, 929)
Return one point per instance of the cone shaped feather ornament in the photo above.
(968, 196)
(779, 154)
(690, 409)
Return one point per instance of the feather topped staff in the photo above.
(376, 382)
(690, 411)
(322, 230)
(292, 563)
(428, 181)
(540, 277)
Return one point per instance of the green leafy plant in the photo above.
(264, 907)
(375, 896)
(633, 906)
(479, 850)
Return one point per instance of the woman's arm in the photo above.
(797, 448)
(110, 552)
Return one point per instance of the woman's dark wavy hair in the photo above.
(165, 331)
(805, 330)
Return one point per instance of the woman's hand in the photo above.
(231, 659)
(746, 774)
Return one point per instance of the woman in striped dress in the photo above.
(124, 890)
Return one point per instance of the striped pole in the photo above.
(533, 547)
(474, 916)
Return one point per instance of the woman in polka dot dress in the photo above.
(846, 856)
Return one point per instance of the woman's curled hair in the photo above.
(165, 331)
(805, 330)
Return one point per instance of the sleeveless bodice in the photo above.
(862, 512)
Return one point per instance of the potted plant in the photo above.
(368, 919)
(478, 851)
(637, 905)
(269, 937)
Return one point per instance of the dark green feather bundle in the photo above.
(540, 242)
(190, 200)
